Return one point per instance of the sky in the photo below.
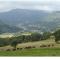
(47, 5)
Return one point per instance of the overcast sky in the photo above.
(48, 5)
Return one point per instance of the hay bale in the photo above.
(8, 50)
(20, 48)
(49, 45)
(43, 46)
(14, 49)
(33, 47)
(29, 47)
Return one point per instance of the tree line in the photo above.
(24, 38)
(13, 41)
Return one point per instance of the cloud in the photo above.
(48, 5)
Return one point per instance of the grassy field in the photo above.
(37, 44)
(33, 52)
(37, 51)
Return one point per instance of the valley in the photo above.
(23, 20)
(26, 32)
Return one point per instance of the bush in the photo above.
(46, 35)
(36, 36)
(3, 42)
(57, 35)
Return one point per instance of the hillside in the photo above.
(5, 28)
(32, 20)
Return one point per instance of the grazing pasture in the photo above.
(38, 48)
(32, 52)
(37, 44)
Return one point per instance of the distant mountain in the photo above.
(20, 15)
(32, 20)
(4, 28)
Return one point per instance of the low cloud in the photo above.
(48, 5)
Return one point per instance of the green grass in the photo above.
(38, 51)
(33, 52)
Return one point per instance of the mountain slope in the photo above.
(32, 20)
(4, 28)
(20, 15)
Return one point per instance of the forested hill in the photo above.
(31, 20)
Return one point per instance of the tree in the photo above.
(15, 40)
(36, 36)
(3, 42)
(57, 35)
(14, 43)
(46, 35)
(27, 38)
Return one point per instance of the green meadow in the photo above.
(33, 52)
